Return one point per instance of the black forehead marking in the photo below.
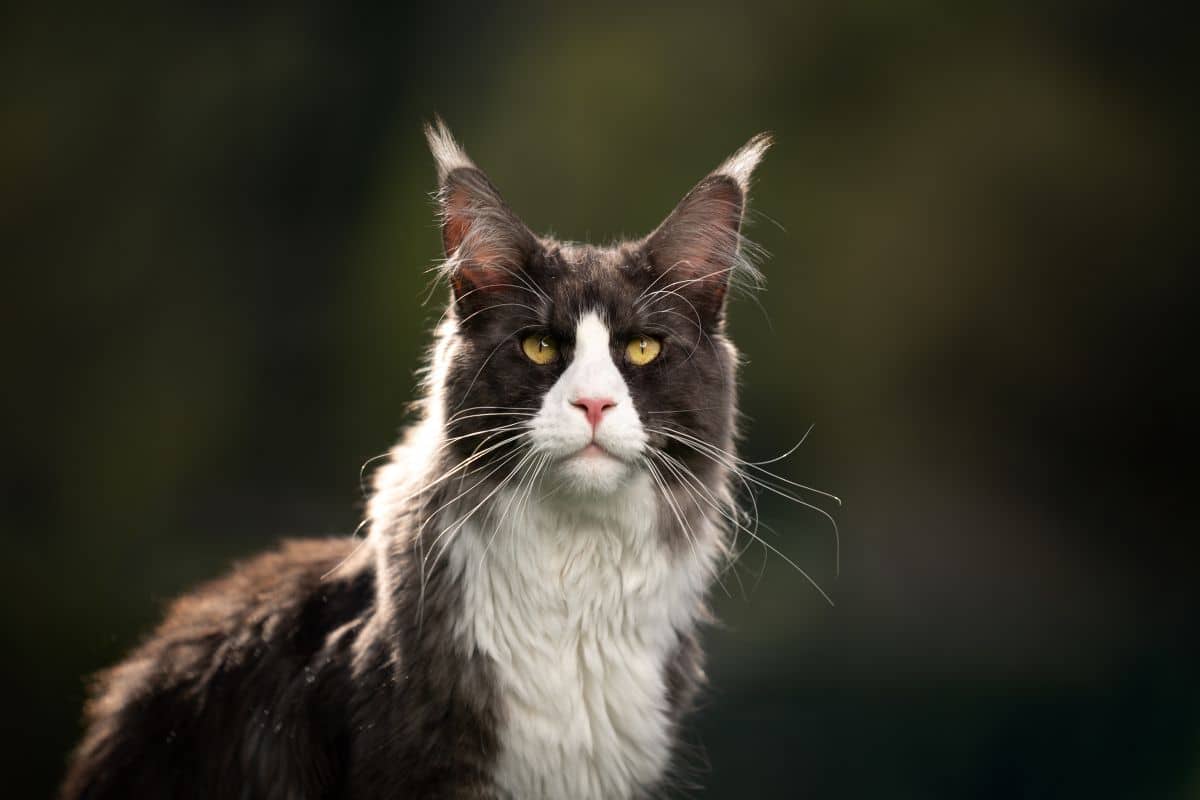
(583, 278)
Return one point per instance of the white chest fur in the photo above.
(580, 606)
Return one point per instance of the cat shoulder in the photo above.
(236, 668)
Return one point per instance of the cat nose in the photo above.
(594, 407)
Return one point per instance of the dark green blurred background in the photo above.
(216, 227)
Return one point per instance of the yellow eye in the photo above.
(643, 349)
(540, 348)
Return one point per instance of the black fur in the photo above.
(328, 669)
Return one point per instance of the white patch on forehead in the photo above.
(592, 372)
(591, 335)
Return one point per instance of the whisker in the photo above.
(513, 409)
(775, 550)
(452, 305)
(352, 552)
(420, 533)
(495, 468)
(730, 462)
(486, 414)
(684, 528)
(495, 350)
(669, 288)
(674, 469)
(456, 526)
(661, 275)
(475, 456)
(699, 328)
(735, 511)
(750, 495)
(758, 465)
(494, 306)
(532, 475)
(362, 471)
(686, 410)
(532, 286)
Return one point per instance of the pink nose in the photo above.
(594, 407)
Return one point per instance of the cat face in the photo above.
(582, 362)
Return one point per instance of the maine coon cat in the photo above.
(521, 619)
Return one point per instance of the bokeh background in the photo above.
(216, 229)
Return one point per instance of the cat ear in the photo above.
(485, 243)
(696, 250)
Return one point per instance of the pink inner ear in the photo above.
(474, 276)
(456, 219)
(698, 243)
(480, 262)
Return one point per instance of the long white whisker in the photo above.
(669, 288)
(532, 286)
(451, 306)
(424, 556)
(750, 494)
(773, 549)
(362, 476)
(685, 410)
(494, 306)
(723, 458)
(495, 350)
(494, 468)
(512, 426)
(484, 414)
(531, 475)
(785, 495)
(496, 527)
(661, 275)
(691, 493)
(511, 409)
(701, 333)
(758, 465)
(677, 512)
(355, 549)
(454, 527)
(733, 515)
(464, 464)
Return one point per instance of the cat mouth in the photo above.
(593, 450)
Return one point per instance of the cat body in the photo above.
(521, 619)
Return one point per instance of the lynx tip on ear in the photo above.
(740, 166)
(447, 153)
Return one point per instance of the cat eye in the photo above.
(540, 348)
(642, 349)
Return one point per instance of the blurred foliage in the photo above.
(216, 230)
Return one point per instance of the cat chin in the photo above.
(590, 473)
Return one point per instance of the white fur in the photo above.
(447, 153)
(579, 605)
(740, 166)
(561, 430)
(574, 594)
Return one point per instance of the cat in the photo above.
(521, 619)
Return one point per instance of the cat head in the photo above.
(589, 362)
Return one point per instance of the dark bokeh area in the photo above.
(216, 228)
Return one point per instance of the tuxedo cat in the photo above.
(521, 620)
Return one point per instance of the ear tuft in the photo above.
(447, 153)
(699, 248)
(484, 242)
(740, 166)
